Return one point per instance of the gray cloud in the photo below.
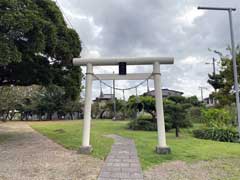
(155, 28)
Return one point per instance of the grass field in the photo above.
(186, 148)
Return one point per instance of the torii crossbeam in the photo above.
(162, 147)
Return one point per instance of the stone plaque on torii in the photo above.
(162, 147)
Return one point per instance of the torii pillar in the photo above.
(86, 148)
(162, 147)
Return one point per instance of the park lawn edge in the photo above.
(185, 148)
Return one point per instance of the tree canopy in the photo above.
(175, 112)
(36, 45)
(223, 81)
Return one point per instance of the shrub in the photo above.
(145, 116)
(194, 114)
(217, 118)
(142, 124)
(233, 113)
(217, 134)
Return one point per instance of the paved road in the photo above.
(28, 155)
(122, 162)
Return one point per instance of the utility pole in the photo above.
(235, 73)
(202, 88)
(214, 66)
(148, 86)
(114, 100)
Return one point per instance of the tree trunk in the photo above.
(71, 114)
(154, 118)
(7, 115)
(101, 114)
(12, 116)
(59, 116)
(26, 115)
(49, 116)
(22, 116)
(177, 131)
(2, 116)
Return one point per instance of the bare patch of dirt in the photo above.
(224, 169)
(28, 155)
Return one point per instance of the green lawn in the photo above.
(186, 148)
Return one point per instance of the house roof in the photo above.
(165, 89)
(172, 90)
(104, 97)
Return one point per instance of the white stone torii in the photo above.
(162, 147)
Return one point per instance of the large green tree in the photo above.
(36, 46)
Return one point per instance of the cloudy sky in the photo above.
(110, 28)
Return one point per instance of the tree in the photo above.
(8, 101)
(36, 46)
(193, 100)
(175, 108)
(27, 105)
(15, 99)
(71, 106)
(216, 81)
(142, 102)
(223, 81)
(50, 100)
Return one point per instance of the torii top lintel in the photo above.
(117, 60)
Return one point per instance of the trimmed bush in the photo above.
(142, 124)
(217, 134)
(145, 116)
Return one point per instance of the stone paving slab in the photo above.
(122, 163)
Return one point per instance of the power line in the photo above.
(64, 15)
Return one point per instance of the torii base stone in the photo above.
(163, 150)
(85, 150)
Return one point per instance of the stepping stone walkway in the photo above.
(122, 163)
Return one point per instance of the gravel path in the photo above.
(224, 169)
(122, 162)
(28, 155)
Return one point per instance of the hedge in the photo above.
(217, 134)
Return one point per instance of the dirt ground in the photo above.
(28, 155)
(221, 169)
